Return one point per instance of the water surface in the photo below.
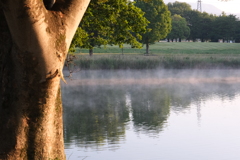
(152, 115)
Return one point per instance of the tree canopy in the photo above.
(158, 15)
(180, 30)
(179, 8)
(205, 26)
(110, 22)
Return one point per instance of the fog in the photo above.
(181, 83)
(103, 108)
(178, 79)
(152, 91)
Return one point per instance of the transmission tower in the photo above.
(199, 5)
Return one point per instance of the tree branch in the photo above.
(74, 12)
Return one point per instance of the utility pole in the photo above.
(199, 5)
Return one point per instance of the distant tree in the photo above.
(180, 30)
(237, 35)
(179, 8)
(110, 22)
(225, 27)
(129, 26)
(193, 19)
(158, 15)
(206, 26)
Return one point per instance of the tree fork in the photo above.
(33, 47)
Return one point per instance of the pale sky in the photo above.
(232, 6)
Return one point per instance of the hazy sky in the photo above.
(232, 6)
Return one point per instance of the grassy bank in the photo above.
(163, 55)
(174, 48)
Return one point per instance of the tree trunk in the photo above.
(31, 111)
(90, 52)
(33, 47)
(147, 48)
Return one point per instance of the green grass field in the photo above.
(174, 48)
(163, 55)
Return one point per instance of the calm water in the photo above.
(152, 115)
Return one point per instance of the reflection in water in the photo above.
(150, 108)
(94, 117)
(109, 115)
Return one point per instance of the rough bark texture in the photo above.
(33, 46)
(31, 112)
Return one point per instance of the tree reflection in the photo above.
(99, 115)
(95, 115)
(150, 108)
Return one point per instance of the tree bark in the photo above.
(33, 47)
(147, 48)
(90, 52)
(31, 111)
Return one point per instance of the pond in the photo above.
(152, 115)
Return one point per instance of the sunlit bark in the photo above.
(33, 47)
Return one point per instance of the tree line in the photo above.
(192, 25)
(121, 22)
(138, 23)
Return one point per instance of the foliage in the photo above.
(205, 26)
(200, 25)
(225, 27)
(130, 23)
(110, 22)
(179, 28)
(179, 8)
(79, 38)
(159, 17)
(237, 33)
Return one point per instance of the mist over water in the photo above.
(152, 114)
